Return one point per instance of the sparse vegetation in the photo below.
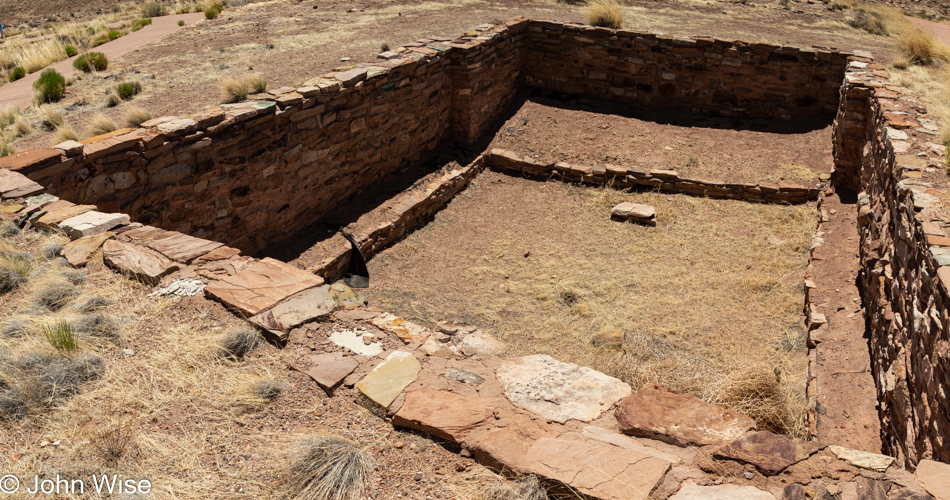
(51, 250)
(604, 13)
(113, 99)
(64, 133)
(15, 328)
(922, 49)
(55, 294)
(99, 326)
(9, 114)
(60, 336)
(240, 341)
(870, 20)
(93, 304)
(50, 87)
(52, 118)
(141, 23)
(70, 51)
(256, 84)
(21, 126)
(91, 61)
(181, 22)
(136, 116)
(102, 124)
(37, 381)
(113, 440)
(234, 90)
(254, 393)
(329, 468)
(213, 10)
(529, 488)
(128, 90)
(153, 9)
(17, 73)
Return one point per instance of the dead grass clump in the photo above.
(114, 440)
(234, 90)
(257, 84)
(529, 488)
(605, 13)
(9, 114)
(102, 124)
(21, 126)
(98, 325)
(238, 342)
(757, 391)
(37, 381)
(870, 20)
(74, 276)
(329, 468)
(8, 229)
(64, 133)
(15, 328)
(51, 250)
(255, 393)
(55, 294)
(922, 49)
(93, 304)
(14, 272)
(136, 116)
(52, 119)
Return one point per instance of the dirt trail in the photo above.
(847, 415)
(21, 91)
(940, 30)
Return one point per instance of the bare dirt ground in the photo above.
(708, 298)
(696, 146)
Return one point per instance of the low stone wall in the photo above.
(905, 257)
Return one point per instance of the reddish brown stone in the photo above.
(770, 453)
(261, 285)
(443, 414)
(28, 161)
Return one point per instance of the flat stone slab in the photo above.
(17, 185)
(862, 459)
(611, 437)
(770, 453)
(597, 469)
(352, 76)
(356, 342)
(559, 391)
(387, 381)
(328, 370)
(657, 412)
(443, 414)
(182, 247)
(92, 223)
(300, 308)
(934, 477)
(144, 264)
(53, 218)
(635, 212)
(692, 491)
(77, 252)
(261, 285)
(407, 331)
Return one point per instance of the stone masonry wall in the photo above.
(905, 256)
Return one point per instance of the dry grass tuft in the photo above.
(64, 133)
(54, 294)
(529, 488)
(17, 327)
(7, 230)
(874, 21)
(22, 127)
(52, 119)
(113, 440)
(37, 381)
(234, 90)
(254, 393)
(257, 84)
(50, 250)
(94, 304)
(922, 49)
(9, 114)
(239, 342)
(14, 272)
(605, 13)
(329, 468)
(98, 326)
(60, 335)
(136, 116)
(102, 124)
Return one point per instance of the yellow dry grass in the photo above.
(605, 13)
(708, 302)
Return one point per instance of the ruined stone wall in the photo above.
(731, 78)
(905, 254)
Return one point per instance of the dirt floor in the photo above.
(696, 146)
(707, 301)
(289, 42)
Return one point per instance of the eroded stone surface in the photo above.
(657, 412)
(328, 370)
(464, 377)
(559, 391)
(142, 263)
(16, 185)
(443, 414)
(770, 453)
(260, 285)
(387, 381)
(407, 331)
(53, 218)
(692, 491)
(77, 252)
(934, 477)
(635, 212)
(182, 247)
(862, 459)
(358, 341)
(300, 308)
(92, 223)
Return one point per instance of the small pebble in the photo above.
(128, 352)
(417, 477)
(748, 475)
(400, 444)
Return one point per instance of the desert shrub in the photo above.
(5, 148)
(384, 47)
(329, 468)
(51, 86)
(921, 48)
(74, 276)
(234, 90)
(99, 40)
(14, 272)
(240, 341)
(181, 22)
(7, 229)
(21, 126)
(41, 380)
(257, 84)
(91, 61)
(17, 73)
(605, 13)
(51, 250)
(102, 124)
(113, 99)
(98, 325)
(153, 9)
(871, 21)
(128, 90)
(114, 34)
(136, 116)
(16, 328)
(70, 51)
(213, 10)
(55, 294)
(60, 336)
(64, 133)
(529, 488)
(93, 304)
(141, 23)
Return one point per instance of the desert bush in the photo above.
(213, 10)
(99, 40)
(329, 468)
(70, 51)
(153, 9)
(16, 328)
(51, 250)
(256, 84)
(136, 116)
(529, 488)
(181, 22)
(234, 90)
(64, 133)
(240, 341)
(60, 336)
(14, 272)
(51, 86)
(91, 61)
(7, 229)
(55, 294)
(113, 99)
(5, 148)
(876, 20)
(605, 13)
(102, 124)
(21, 126)
(40, 380)
(128, 90)
(17, 73)
(93, 304)
(141, 23)
(98, 325)
(922, 49)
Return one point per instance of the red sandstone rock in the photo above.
(657, 412)
(53, 218)
(28, 161)
(16, 185)
(261, 285)
(142, 263)
(935, 478)
(444, 414)
(329, 370)
(770, 453)
(78, 252)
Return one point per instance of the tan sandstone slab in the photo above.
(635, 212)
(91, 223)
(182, 247)
(934, 477)
(692, 491)
(862, 459)
(770, 453)
(559, 391)
(16, 185)
(53, 218)
(329, 369)
(444, 414)
(144, 264)
(658, 412)
(77, 252)
(387, 381)
(261, 285)
(596, 469)
(300, 308)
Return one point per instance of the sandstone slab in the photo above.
(92, 223)
(596, 469)
(300, 308)
(77, 252)
(182, 247)
(17, 185)
(261, 285)
(444, 414)
(770, 453)
(407, 331)
(862, 459)
(30, 160)
(559, 391)
(53, 218)
(357, 341)
(692, 491)
(635, 212)
(934, 477)
(657, 412)
(328, 370)
(142, 263)
(11, 209)
(387, 381)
